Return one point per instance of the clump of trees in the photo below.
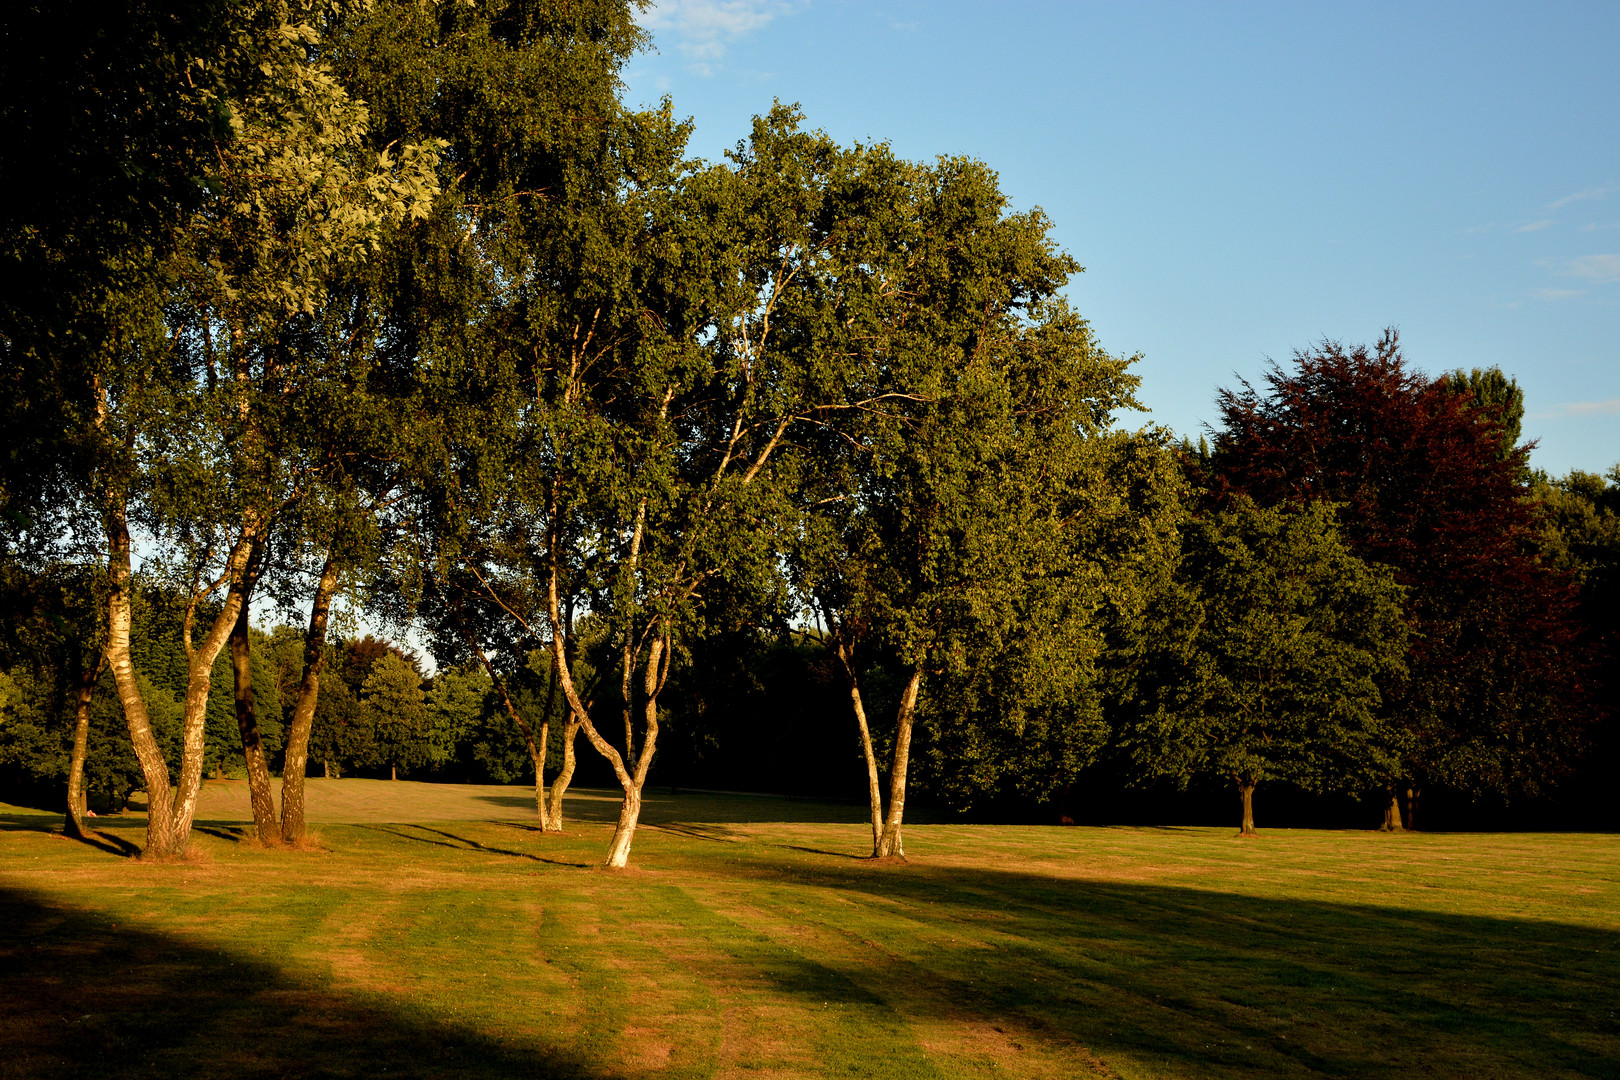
(394, 310)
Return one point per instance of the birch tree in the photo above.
(936, 504)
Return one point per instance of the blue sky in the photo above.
(1243, 181)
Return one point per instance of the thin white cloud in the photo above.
(1536, 226)
(1580, 196)
(1601, 268)
(1554, 295)
(1579, 408)
(702, 30)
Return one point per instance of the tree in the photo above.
(407, 735)
(1033, 711)
(1583, 540)
(1431, 486)
(933, 515)
(1278, 679)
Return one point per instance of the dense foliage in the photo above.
(774, 473)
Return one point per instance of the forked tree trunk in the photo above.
(889, 842)
(1246, 792)
(74, 826)
(247, 721)
(309, 689)
(633, 782)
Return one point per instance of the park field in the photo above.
(437, 933)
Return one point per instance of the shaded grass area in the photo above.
(488, 948)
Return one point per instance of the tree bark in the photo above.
(1392, 812)
(1246, 792)
(247, 720)
(161, 843)
(74, 826)
(890, 843)
(874, 789)
(565, 776)
(200, 678)
(309, 688)
(1413, 794)
(537, 748)
(634, 782)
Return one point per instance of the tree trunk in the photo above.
(874, 788)
(200, 667)
(889, 843)
(247, 721)
(565, 775)
(74, 826)
(1246, 792)
(161, 841)
(537, 748)
(1413, 793)
(393, 772)
(309, 689)
(629, 813)
(1392, 812)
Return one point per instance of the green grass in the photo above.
(485, 948)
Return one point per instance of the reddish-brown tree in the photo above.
(1432, 485)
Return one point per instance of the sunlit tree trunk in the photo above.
(889, 843)
(1246, 793)
(565, 776)
(200, 666)
(161, 842)
(874, 788)
(297, 756)
(74, 826)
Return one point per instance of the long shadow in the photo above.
(696, 832)
(112, 845)
(834, 854)
(51, 825)
(1204, 983)
(461, 843)
(82, 997)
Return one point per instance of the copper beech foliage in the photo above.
(1430, 483)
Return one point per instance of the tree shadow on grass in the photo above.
(84, 997)
(1202, 983)
(51, 825)
(460, 843)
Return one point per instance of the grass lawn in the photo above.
(748, 941)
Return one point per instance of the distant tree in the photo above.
(1431, 485)
(458, 701)
(1278, 680)
(1583, 540)
(343, 734)
(407, 731)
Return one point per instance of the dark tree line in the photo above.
(790, 462)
